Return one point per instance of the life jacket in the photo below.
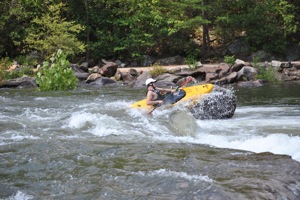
(159, 95)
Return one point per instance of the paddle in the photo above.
(177, 88)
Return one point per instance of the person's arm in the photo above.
(166, 90)
(149, 100)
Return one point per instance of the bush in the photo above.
(229, 60)
(157, 70)
(56, 75)
(191, 62)
(268, 73)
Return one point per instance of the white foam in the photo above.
(169, 173)
(20, 196)
(274, 143)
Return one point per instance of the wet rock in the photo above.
(254, 83)
(219, 104)
(102, 82)
(246, 73)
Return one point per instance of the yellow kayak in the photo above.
(182, 95)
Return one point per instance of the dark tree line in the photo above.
(129, 29)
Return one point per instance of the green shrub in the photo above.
(56, 74)
(28, 60)
(191, 62)
(268, 73)
(255, 61)
(157, 70)
(229, 60)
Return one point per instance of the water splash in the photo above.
(219, 104)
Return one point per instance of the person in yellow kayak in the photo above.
(154, 94)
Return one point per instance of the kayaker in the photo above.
(154, 96)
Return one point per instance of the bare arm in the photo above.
(165, 89)
(150, 97)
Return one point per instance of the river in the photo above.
(88, 144)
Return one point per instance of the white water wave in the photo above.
(170, 173)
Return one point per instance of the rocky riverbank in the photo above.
(241, 73)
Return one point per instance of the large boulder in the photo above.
(166, 80)
(109, 69)
(141, 79)
(219, 104)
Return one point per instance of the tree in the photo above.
(52, 32)
(263, 24)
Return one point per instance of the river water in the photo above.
(88, 144)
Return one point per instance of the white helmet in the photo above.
(150, 80)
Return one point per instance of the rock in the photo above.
(219, 104)
(296, 65)
(211, 76)
(174, 70)
(239, 62)
(95, 69)
(84, 67)
(236, 67)
(127, 77)
(109, 69)
(81, 76)
(255, 83)
(148, 61)
(224, 69)
(231, 78)
(141, 79)
(76, 68)
(276, 64)
(102, 82)
(246, 73)
(176, 60)
(133, 72)
(166, 80)
(93, 77)
(24, 81)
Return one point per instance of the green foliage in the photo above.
(247, 20)
(4, 64)
(56, 74)
(268, 73)
(157, 70)
(18, 73)
(51, 32)
(191, 62)
(132, 28)
(255, 61)
(230, 60)
(27, 60)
